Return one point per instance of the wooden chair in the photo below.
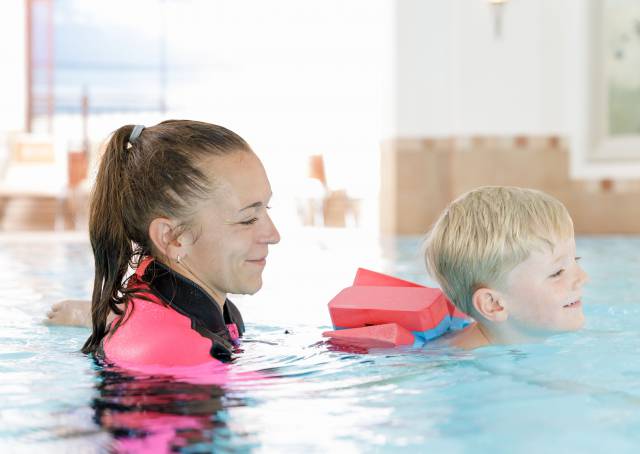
(33, 184)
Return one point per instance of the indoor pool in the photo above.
(574, 393)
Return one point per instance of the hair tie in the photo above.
(137, 130)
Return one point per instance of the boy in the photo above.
(506, 257)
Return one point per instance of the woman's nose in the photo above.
(270, 234)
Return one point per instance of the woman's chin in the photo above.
(250, 287)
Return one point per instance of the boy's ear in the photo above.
(487, 302)
(162, 234)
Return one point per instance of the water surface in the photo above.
(573, 393)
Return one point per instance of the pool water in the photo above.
(575, 392)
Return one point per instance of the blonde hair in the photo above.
(486, 232)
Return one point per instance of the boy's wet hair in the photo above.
(145, 173)
(481, 236)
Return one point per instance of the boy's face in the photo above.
(543, 293)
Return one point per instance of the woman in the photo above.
(185, 204)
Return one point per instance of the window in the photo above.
(111, 54)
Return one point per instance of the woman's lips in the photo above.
(259, 262)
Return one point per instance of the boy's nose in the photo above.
(582, 277)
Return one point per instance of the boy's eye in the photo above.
(249, 222)
(578, 259)
(557, 273)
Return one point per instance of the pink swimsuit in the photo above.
(181, 325)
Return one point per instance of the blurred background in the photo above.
(370, 115)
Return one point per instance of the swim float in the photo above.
(383, 311)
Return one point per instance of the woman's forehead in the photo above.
(239, 180)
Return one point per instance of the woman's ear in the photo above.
(487, 302)
(162, 234)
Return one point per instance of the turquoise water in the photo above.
(574, 393)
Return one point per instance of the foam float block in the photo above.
(378, 336)
(384, 311)
(366, 277)
(414, 308)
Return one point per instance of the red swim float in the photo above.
(384, 311)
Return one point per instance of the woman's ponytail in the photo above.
(112, 246)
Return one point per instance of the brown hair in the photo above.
(157, 174)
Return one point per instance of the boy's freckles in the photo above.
(542, 294)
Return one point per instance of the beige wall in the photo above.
(419, 177)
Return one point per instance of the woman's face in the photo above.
(232, 229)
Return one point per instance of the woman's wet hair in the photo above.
(145, 173)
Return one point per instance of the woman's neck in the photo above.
(184, 270)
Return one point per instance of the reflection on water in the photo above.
(156, 414)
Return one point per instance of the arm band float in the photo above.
(383, 311)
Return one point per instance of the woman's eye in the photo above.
(249, 222)
(557, 273)
(578, 259)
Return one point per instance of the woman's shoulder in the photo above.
(153, 333)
